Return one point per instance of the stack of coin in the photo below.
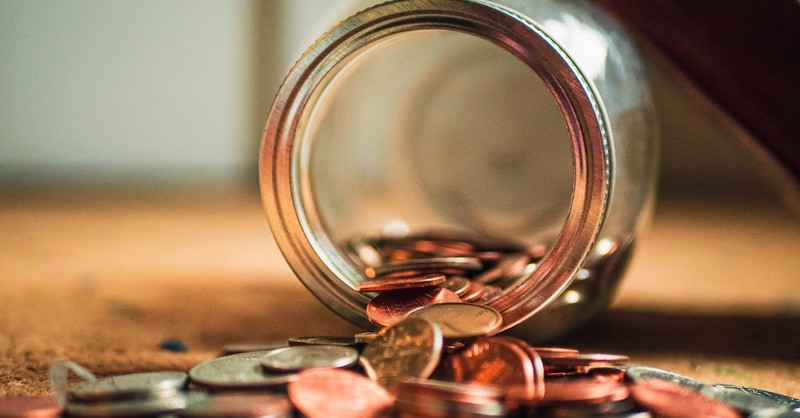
(138, 394)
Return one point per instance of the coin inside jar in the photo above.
(396, 283)
(461, 320)
(308, 357)
(416, 266)
(390, 307)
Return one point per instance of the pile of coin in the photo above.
(436, 354)
(418, 270)
(410, 369)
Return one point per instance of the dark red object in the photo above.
(744, 54)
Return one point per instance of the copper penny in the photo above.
(584, 390)
(328, 393)
(29, 407)
(566, 365)
(493, 362)
(443, 248)
(536, 362)
(670, 400)
(490, 294)
(433, 264)
(409, 349)
(550, 352)
(473, 292)
(460, 321)
(510, 265)
(391, 307)
(457, 284)
(395, 283)
(250, 405)
(434, 398)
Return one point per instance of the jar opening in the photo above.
(456, 117)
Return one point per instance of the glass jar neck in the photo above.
(284, 162)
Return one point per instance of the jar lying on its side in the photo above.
(524, 123)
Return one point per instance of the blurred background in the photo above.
(177, 92)
(163, 97)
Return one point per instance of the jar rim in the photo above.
(315, 262)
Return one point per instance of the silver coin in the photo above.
(324, 340)
(461, 320)
(238, 371)
(792, 403)
(746, 402)
(365, 337)
(136, 385)
(127, 408)
(637, 373)
(309, 357)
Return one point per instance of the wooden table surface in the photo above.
(102, 278)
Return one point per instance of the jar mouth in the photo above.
(298, 227)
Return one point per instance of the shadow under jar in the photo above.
(516, 127)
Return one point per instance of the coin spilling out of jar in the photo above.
(410, 369)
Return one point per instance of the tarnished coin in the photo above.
(461, 320)
(238, 405)
(433, 264)
(641, 373)
(325, 393)
(324, 340)
(130, 386)
(409, 349)
(456, 284)
(303, 357)
(670, 400)
(29, 407)
(392, 306)
(237, 371)
(247, 347)
(497, 362)
(395, 283)
(365, 337)
(127, 408)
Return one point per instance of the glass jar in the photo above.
(526, 121)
